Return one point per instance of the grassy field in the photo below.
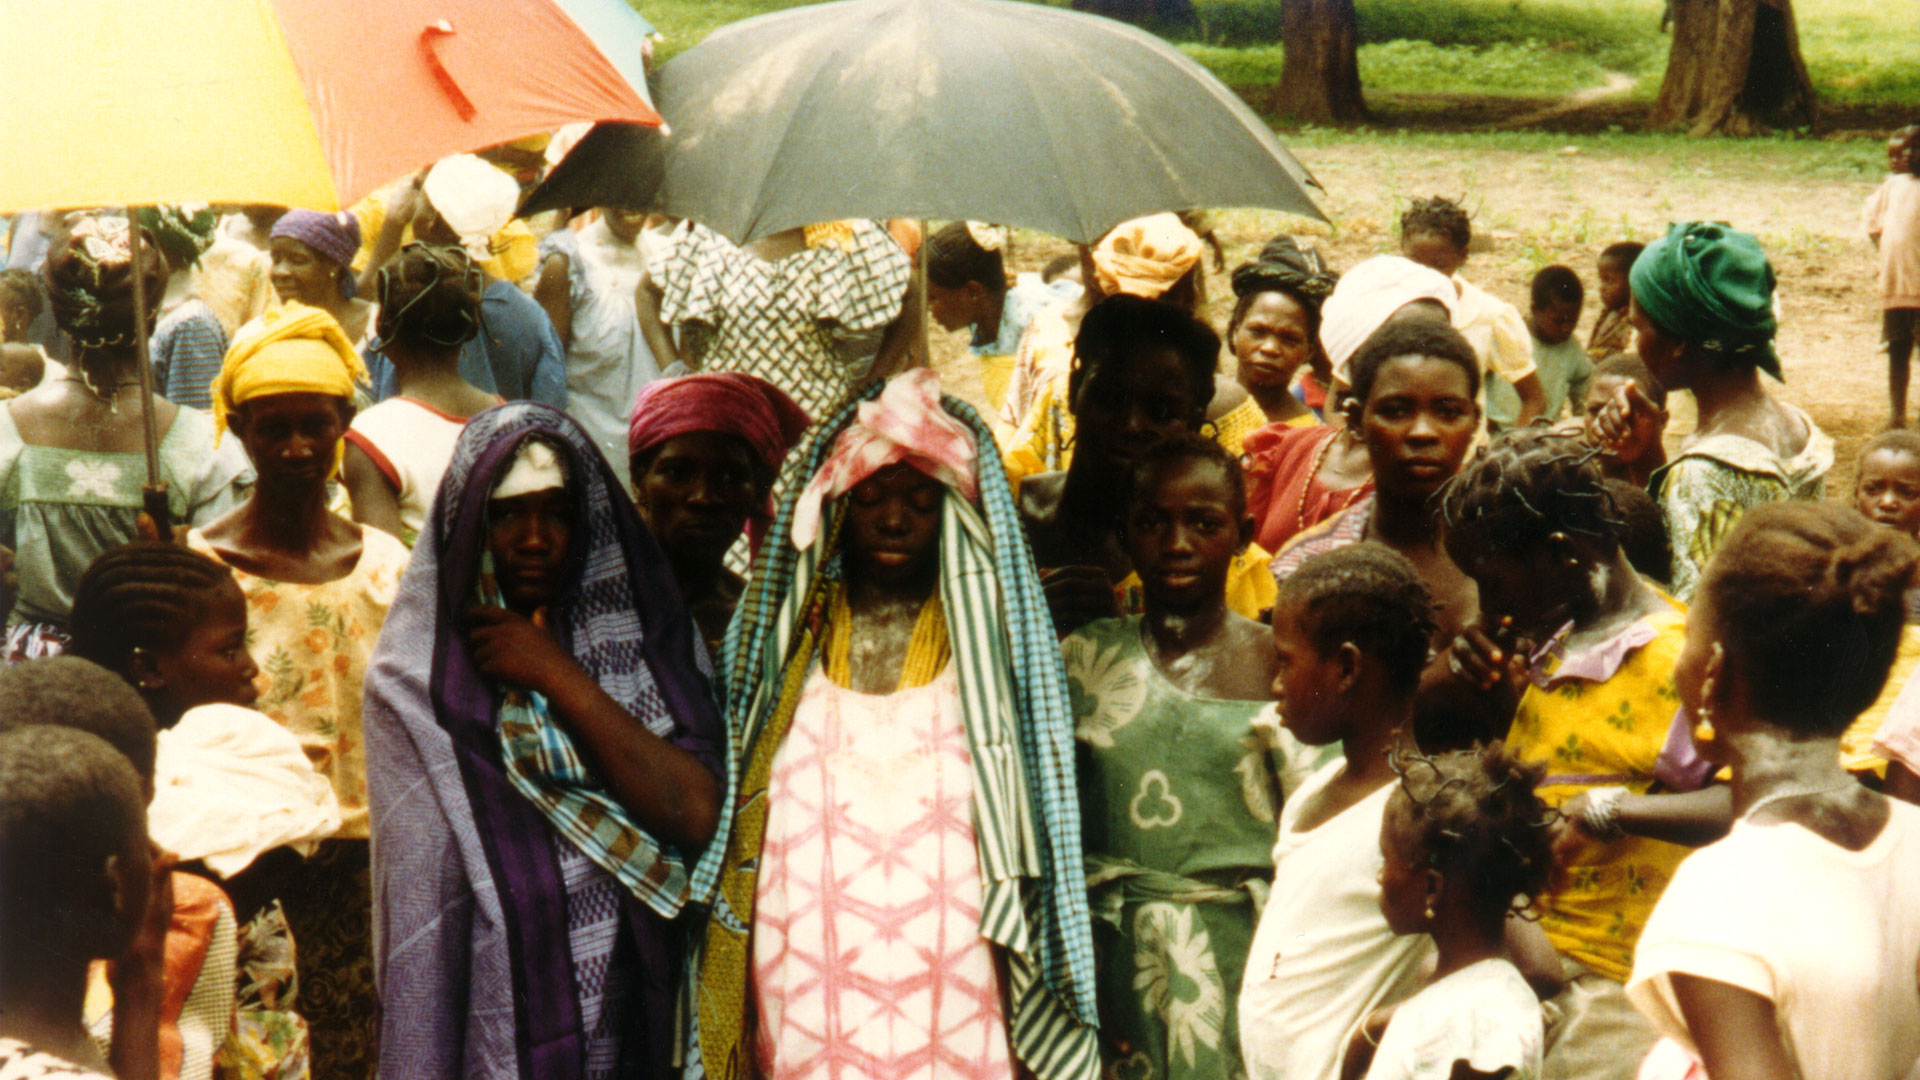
(1859, 52)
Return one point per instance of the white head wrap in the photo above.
(1370, 293)
(474, 198)
(536, 467)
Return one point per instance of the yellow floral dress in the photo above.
(312, 643)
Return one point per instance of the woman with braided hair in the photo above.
(397, 451)
(1573, 659)
(1465, 847)
(1789, 948)
(71, 451)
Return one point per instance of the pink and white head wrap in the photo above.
(906, 423)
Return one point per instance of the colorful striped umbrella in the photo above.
(309, 103)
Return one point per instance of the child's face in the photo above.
(1307, 683)
(211, 664)
(1271, 342)
(1647, 431)
(1182, 533)
(528, 536)
(1899, 151)
(1434, 250)
(1403, 883)
(1556, 322)
(14, 320)
(893, 526)
(1888, 489)
(1614, 290)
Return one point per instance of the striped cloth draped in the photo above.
(1019, 731)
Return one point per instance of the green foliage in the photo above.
(1857, 51)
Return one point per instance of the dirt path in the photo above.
(1616, 84)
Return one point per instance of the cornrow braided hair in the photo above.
(1808, 599)
(1370, 596)
(1474, 816)
(1440, 216)
(139, 596)
(1523, 487)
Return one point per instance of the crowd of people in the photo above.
(584, 647)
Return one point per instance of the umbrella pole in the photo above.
(153, 497)
(920, 288)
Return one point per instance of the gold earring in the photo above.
(1703, 717)
(1429, 911)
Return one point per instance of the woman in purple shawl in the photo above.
(543, 765)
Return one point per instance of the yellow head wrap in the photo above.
(1145, 256)
(295, 350)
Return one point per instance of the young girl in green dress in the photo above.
(1180, 779)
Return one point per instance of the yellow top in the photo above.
(516, 251)
(1856, 744)
(1600, 728)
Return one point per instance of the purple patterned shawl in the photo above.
(471, 939)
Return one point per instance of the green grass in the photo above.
(1857, 51)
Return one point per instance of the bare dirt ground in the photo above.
(1535, 208)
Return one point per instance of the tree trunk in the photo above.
(1320, 75)
(1734, 69)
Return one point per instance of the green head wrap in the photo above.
(1711, 284)
(183, 232)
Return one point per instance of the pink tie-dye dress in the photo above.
(868, 962)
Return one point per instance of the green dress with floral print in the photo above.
(1180, 799)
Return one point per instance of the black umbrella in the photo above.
(1016, 113)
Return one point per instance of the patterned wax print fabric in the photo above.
(1599, 717)
(1713, 481)
(607, 360)
(313, 644)
(1180, 797)
(60, 508)
(782, 320)
(187, 346)
(1485, 1014)
(1044, 358)
(1349, 526)
(18, 1061)
(1018, 736)
(867, 953)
